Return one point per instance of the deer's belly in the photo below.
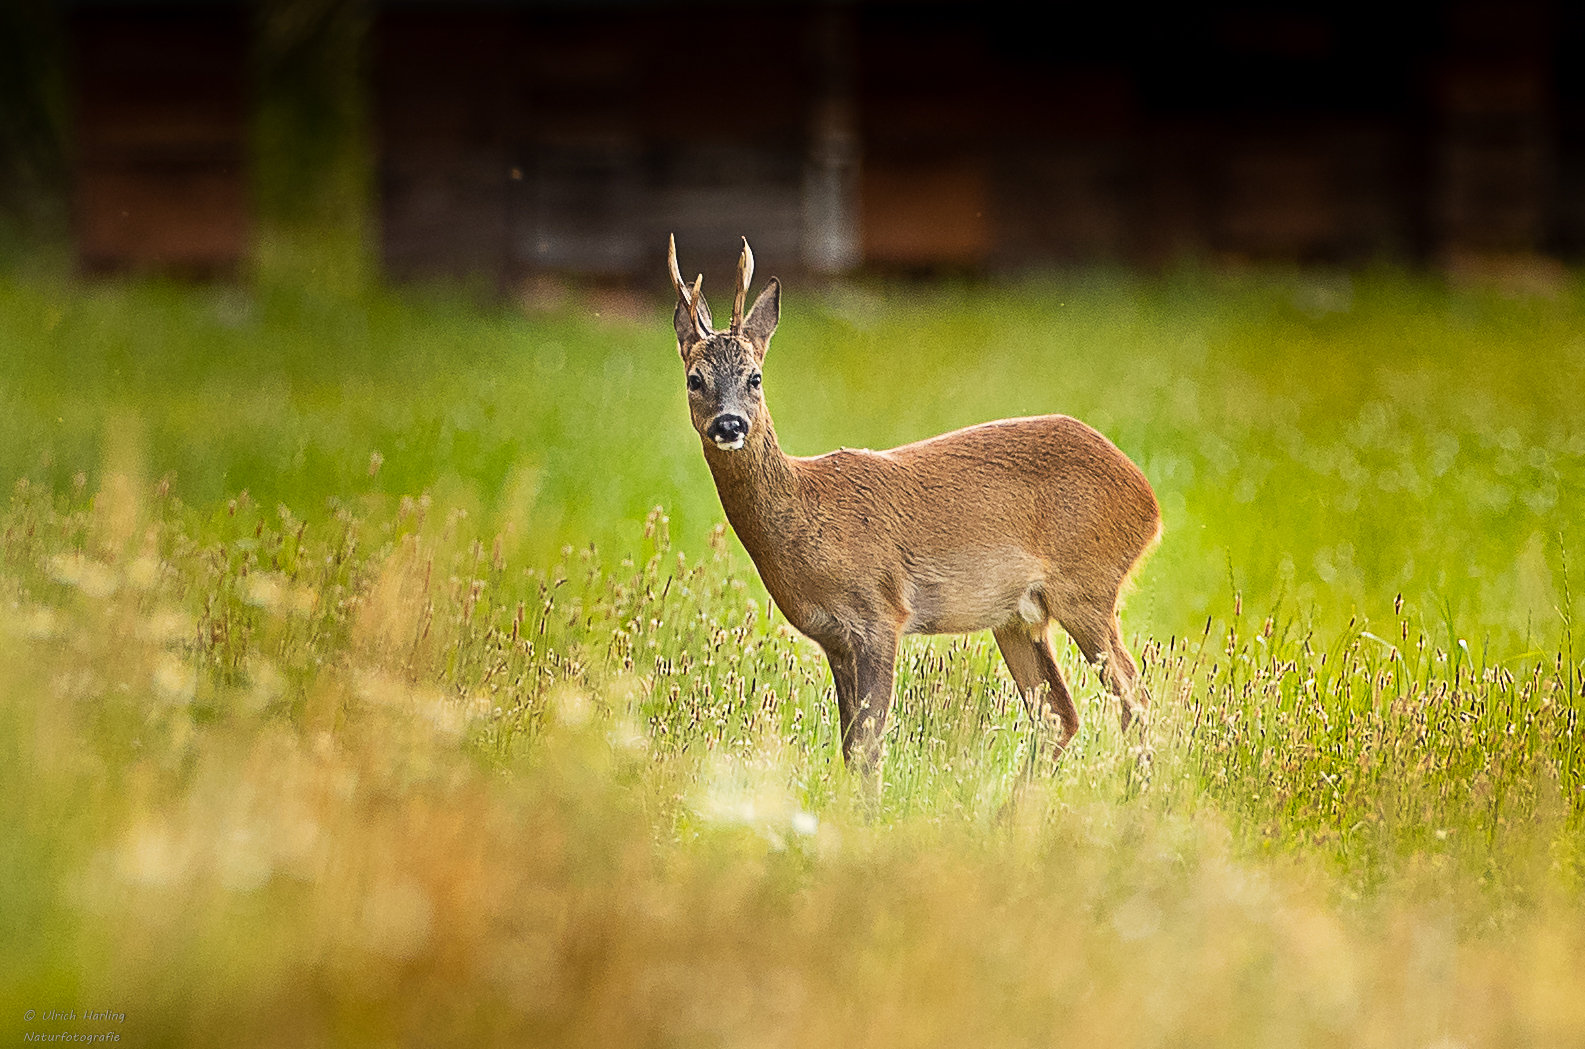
(974, 591)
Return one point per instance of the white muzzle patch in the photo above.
(729, 446)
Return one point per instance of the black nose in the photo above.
(727, 428)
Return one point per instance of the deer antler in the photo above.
(676, 273)
(745, 274)
(690, 298)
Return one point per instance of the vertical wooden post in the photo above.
(831, 171)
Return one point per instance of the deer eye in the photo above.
(754, 381)
(695, 382)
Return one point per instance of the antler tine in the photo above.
(745, 274)
(676, 273)
(689, 298)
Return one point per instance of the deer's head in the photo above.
(723, 367)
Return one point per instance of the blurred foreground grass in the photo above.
(353, 694)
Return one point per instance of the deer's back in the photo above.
(1049, 486)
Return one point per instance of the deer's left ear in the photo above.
(760, 324)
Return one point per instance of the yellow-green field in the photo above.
(374, 671)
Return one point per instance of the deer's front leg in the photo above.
(843, 675)
(865, 674)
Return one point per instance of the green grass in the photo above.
(355, 692)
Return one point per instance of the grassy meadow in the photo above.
(375, 670)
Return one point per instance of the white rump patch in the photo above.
(1029, 609)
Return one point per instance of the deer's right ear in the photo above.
(693, 325)
(760, 324)
(687, 330)
(692, 316)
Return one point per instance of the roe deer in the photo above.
(1011, 525)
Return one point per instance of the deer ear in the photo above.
(760, 324)
(687, 331)
(691, 318)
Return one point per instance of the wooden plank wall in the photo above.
(571, 142)
(988, 141)
(1494, 166)
(516, 139)
(1568, 235)
(159, 157)
(442, 92)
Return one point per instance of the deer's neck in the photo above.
(758, 489)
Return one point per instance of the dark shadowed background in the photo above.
(510, 140)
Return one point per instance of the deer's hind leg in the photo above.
(1032, 660)
(1094, 628)
(1128, 684)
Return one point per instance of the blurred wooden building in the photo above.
(524, 136)
(159, 155)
